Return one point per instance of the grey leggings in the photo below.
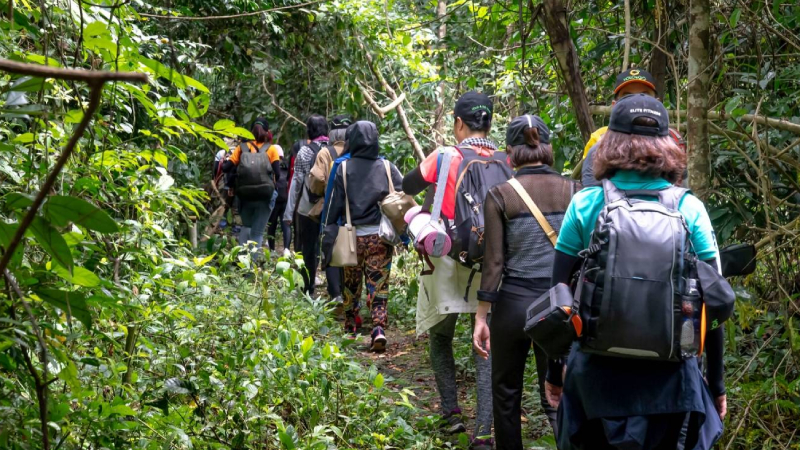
(444, 368)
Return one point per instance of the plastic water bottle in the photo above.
(691, 310)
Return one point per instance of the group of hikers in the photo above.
(502, 236)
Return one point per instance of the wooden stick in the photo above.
(95, 79)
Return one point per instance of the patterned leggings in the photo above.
(374, 266)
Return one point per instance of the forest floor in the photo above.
(405, 365)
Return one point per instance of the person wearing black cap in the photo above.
(255, 212)
(518, 266)
(301, 200)
(441, 296)
(317, 182)
(615, 402)
(629, 82)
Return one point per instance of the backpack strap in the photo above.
(671, 197)
(389, 176)
(610, 192)
(441, 184)
(552, 235)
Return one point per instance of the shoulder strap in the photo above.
(264, 148)
(389, 176)
(535, 211)
(610, 192)
(346, 197)
(441, 185)
(671, 197)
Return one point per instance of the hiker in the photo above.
(360, 184)
(629, 82)
(517, 269)
(301, 200)
(276, 218)
(612, 402)
(317, 182)
(255, 182)
(292, 158)
(445, 293)
(224, 182)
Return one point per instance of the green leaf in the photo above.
(237, 131)
(735, 17)
(306, 345)
(161, 158)
(224, 124)
(286, 440)
(71, 303)
(202, 262)
(180, 81)
(16, 201)
(62, 210)
(52, 242)
(29, 84)
(378, 381)
(123, 410)
(80, 276)
(25, 138)
(7, 232)
(198, 106)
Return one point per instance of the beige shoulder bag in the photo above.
(395, 205)
(344, 248)
(535, 211)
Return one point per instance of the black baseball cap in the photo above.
(631, 107)
(515, 133)
(634, 76)
(263, 122)
(473, 105)
(340, 122)
(718, 295)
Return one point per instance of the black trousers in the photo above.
(308, 233)
(334, 276)
(272, 229)
(510, 348)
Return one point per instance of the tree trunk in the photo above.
(438, 124)
(659, 61)
(555, 22)
(697, 119)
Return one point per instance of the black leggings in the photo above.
(274, 220)
(308, 233)
(510, 349)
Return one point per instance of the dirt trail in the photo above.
(405, 364)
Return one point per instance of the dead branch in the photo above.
(401, 112)
(232, 16)
(89, 76)
(381, 111)
(275, 104)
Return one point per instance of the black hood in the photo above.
(362, 140)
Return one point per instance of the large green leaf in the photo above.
(7, 231)
(52, 242)
(63, 210)
(180, 81)
(198, 106)
(16, 201)
(71, 303)
(80, 276)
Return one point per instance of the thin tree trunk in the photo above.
(555, 22)
(438, 124)
(697, 119)
(658, 62)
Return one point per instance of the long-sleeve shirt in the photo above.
(298, 195)
(518, 252)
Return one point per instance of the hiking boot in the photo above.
(378, 340)
(481, 444)
(453, 423)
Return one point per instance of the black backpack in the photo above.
(476, 175)
(254, 178)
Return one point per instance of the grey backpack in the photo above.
(254, 179)
(631, 286)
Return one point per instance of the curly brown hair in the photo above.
(656, 156)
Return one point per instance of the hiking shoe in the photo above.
(359, 322)
(287, 253)
(453, 422)
(378, 340)
(481, 444)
